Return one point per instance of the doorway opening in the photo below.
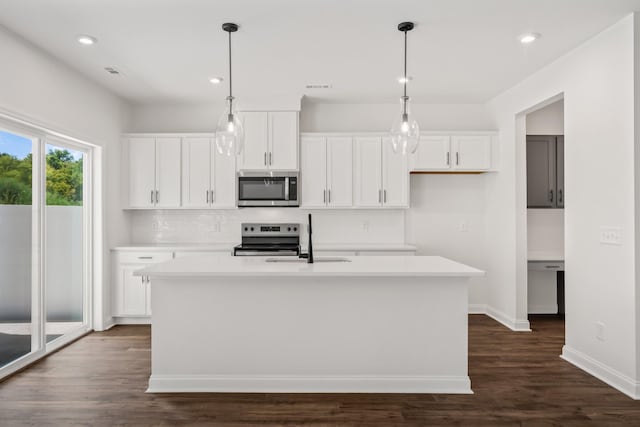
(546, 195)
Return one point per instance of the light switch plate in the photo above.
(610, 235)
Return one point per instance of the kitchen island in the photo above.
(381, 324)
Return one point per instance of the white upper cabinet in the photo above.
(167, 172)
(142, 172)
(327, 172)
(196, 167)
(368, 171)
(472, 152)
(433, 154)
(256, 140)
(381, 176)
(450, 153)
(395, 177)
(283, 129)
(154, 172)
(340, 171)
(313, 172)
(223, 179)
(208, 177)
(270, 140)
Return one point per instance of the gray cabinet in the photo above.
(545, 171)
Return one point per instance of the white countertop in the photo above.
(223, 247)
(545, 256)
(214, 247)
(389, 266)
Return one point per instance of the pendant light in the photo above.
(405, 131)
(229, 132)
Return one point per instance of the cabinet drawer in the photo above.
(546, 265)
(144, 257)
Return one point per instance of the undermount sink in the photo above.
(302, 260)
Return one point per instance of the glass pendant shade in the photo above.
(229, 132)
(405, 132)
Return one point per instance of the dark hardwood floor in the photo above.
(518, 379)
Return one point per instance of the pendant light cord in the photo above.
(404, 99)
(230, 77)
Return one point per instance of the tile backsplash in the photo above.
(223, 226)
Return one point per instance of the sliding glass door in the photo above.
(45, 243)
(65, 263)
(16, 246)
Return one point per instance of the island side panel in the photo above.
(312, 334)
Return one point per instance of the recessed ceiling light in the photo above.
(216, 80)
(86, 40)
(403, 80)
(528, 38)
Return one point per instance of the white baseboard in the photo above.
(603, 372)
(508, 321)
(543, 309)
(477, 308)
(141, 320)
(308, 384)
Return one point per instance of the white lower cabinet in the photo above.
(132, 294)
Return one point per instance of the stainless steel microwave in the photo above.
(257, 189)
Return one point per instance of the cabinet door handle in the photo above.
(457, 158)
(324, 196)
(270, 160)
(329, 191)
(207, 196)
(145, 257)
(448, 158)
(551, 195)
(379, 196)
(265, 158)
(385, 196)
(151, 196)
(213, 196)
(559, 196)
(157, 197)
(552, 266)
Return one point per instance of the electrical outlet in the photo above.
(463, 227)
(600, 331)
(610, 236)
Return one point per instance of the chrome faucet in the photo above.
(309, 255)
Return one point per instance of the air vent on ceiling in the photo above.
(112, 70)
(319, 86)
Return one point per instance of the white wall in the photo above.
(378, 117)
(545, 231)
(597, 80)
(447, 218)
(548, 120)
(39, 89)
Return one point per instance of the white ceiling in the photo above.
(461, 51)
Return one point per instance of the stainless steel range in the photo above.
(269, 240)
